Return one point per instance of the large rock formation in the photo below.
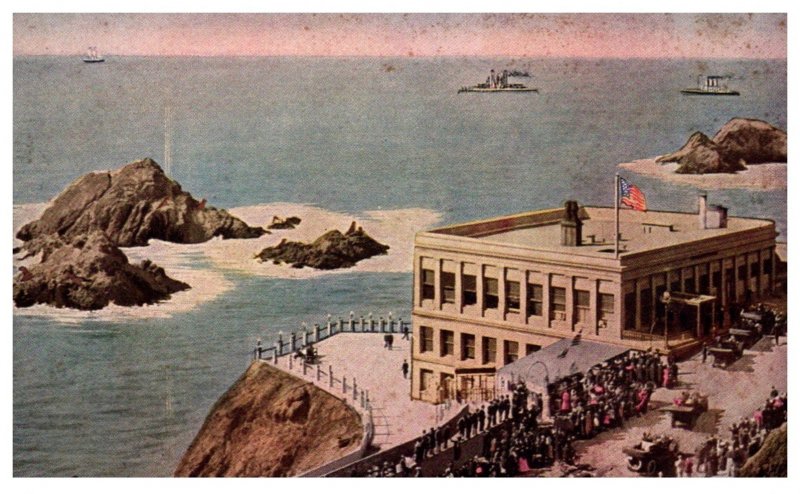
(271, 424)
(279, 223)
(330, 251)
(132, 205)
(88, 274)
(739, 142)
(771, 459)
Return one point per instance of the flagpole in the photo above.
(616, 216)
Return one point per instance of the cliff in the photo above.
(771, 459)
(739, 142)
(88, 274)
(332, 250)
(271, 424)
(132, 205)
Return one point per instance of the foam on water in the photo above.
(204, 266)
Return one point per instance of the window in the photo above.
(606, 306)
(448, 287)
(716, 280)
(446, 344)
(489, 350)
(675, 286)
(490, 299)
(467, 346)
(581, 305)
(630, 310)
(512, 296)
(425, 339)
(646, 298)
(768, 266)
(469, 289)
(704, 283)
(754, 269)
(535, 299)
(688, 285)
(529, 349)
(428, 286)
(425, 379)
(510, 351)
(742, 272)
(558, 303)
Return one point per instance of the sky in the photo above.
(525, 35)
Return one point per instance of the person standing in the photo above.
(390, 340)
(404, 368)
(705, 352)
(404, 330)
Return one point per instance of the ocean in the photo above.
(384, 141)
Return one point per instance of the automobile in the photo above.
(686, 409)
(653, 457)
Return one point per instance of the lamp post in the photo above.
(666, 299)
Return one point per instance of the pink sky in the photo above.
(531, 35)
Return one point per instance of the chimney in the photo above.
(571, 225)
(702, 210)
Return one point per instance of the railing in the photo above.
(656, 336)
(320, 332)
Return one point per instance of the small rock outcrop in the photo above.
(279, 223)
(740, 142)
(271, 424)
(132, 205)
(771, 459)
(332, 250)
(88, 274)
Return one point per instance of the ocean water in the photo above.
(373, 139)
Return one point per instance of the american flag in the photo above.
(631, 195)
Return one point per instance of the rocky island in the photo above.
(740, 142)
(332, 250)
(279, 223)
(271, 424)
(78, 238)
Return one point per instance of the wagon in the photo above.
(744, 336)
(687, 413)
(652, 459)
(725, 353)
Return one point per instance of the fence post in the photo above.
(290, 361)
(382, 324)
(304, 368)
(341, 324)
(352, 322)
(330, 376)
(275, 355)
(371, 323)
(316, 333)
(330, 328)
(294, 341)
(319, 373)
(280, 342)
(305, 337)
(344, 385)
(366, 395)
(362, 398)
(355, 390)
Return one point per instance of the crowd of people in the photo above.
(609, 393)
(726, 457)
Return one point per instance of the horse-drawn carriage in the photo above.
(686, 409)
(308, 355)
(653, 456)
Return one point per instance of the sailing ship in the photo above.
(716, 85)
(498, 83)
(93, 56)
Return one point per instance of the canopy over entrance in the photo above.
(563, 358)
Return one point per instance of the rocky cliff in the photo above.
(132, 205)
(88, 274)
(271, 424)
(771, 459)
(740, 142)
(332, 250)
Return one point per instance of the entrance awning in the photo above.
(563, 358)
(695, 299)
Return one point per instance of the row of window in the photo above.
(558, 296)
(467, 350)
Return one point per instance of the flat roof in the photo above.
(640, 231)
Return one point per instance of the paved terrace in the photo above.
(377, 370)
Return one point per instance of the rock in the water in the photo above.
(279, 223)
(332, 250)
(88, 274)
(739, 142)
(132, 205)
(271, 424)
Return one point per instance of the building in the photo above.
(491, 291)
